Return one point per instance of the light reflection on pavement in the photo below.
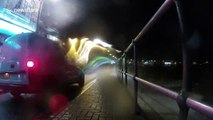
(35, 106)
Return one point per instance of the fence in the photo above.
(183, 100)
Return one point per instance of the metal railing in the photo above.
(183, 100)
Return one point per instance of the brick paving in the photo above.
(104, 100)
(88, 106)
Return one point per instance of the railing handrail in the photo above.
(195, 105)
(164, 7)
(182, 98)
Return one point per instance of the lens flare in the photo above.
(57, 103)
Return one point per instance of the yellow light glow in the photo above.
(82, 42)
(79, 50)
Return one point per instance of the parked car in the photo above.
(30, 63)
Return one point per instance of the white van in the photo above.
(30, 63)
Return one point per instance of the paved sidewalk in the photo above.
(106, 99)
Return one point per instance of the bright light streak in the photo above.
(167, 63)
(11, 29)
(82, 42)
(100, 42)
(11, 17)
(146, 63)
(118, 51)
(97, 62)
(65, 11)
(80, 50)
(84, 55)
(13, 44)
(53, 38)
(72, 54)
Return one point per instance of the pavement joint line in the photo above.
(89, 85)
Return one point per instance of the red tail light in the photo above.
(30, 64)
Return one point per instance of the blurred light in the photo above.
(167, 63)
(53, 38)
(84, 39)
(97, 62)
(146, 63)
(112, 62)
(72, 54)
(100, 42)
(79, 50)
(84, 54)
(118, 51)
(11, 29)
(30, 64)
(14, 19)
(12, 44)
(57, 103)
(194, 63)
(5, 76)
(82, 43)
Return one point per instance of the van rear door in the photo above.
(13, 66)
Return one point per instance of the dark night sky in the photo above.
(116, 21)
(119, 21)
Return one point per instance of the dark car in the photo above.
(30, 63)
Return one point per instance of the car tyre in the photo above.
(81, 81)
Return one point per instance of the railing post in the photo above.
(183, 112)
(135, 75)
(122, 69)
(125, 67)
(119, 66)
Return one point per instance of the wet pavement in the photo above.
(104, 99)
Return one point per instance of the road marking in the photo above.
(86, 87)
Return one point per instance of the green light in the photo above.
(98, 61)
